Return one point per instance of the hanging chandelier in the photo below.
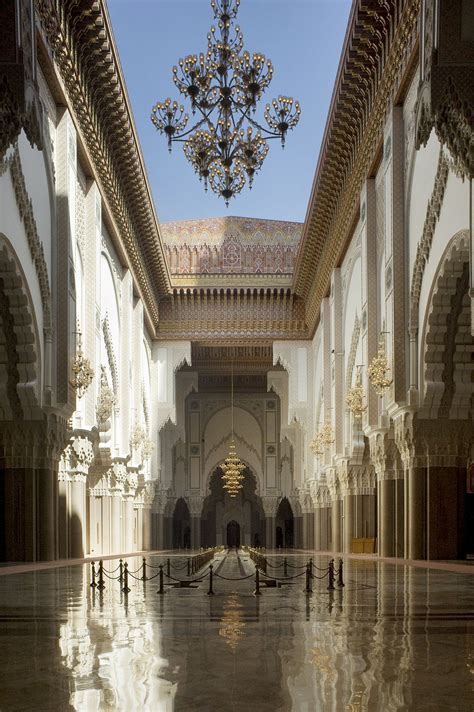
(226, 146)
(378, 370)
(317, 446)
(232, 466)
(81, 368)
(355, 397)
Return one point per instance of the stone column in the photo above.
(412, 451)
(336, 525)
(116, 523)
(147, 528)
(48, 496)
(387, 524)
(317, 528)
(78, 515)
(195, 510)
(270, 505)
(348, 521)
(416, 512)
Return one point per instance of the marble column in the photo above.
(78, 516)
(348, 522)
(336, 525)
(399, 518)
(147, 528)
(270, 524)
(324, 528)
(195, 532)
(138, 511)
(116, 524)
(129, 523)
(416, 512)
(317, 529)
(387, 512)
(47, 491)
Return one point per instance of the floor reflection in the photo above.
(396, 638)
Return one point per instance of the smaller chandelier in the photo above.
(232, 466)
(147, 448)
(355, 397)
(379, 369)
(327, 435)
(81, 368)
(106, 400)
(137, 436)
(317, 446)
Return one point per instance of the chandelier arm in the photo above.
(255, 124)
(179, 137)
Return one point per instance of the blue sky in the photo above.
(303, 38)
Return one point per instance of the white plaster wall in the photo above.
(37, 177)
(12, 227)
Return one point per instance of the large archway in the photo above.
(233, 534)
(244, 511)
(181, 530)
(285, 526)
(448, 407)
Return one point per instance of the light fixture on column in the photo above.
(147, 447)
(327, 435)
(232, 466)
(81, 368)
(355, 396)
(317, 446)
(227, 145)
(379, 369)
(137, 436)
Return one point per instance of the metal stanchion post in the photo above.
(144, 570)
(311, 568)
(93, 583)
(308, 587)
(257, 591)
(125, 588)
(340, 580)
(331, 575)
(285, 567)
(161, 590)
(211, 577)
(168, 567)
(101, 584)
(120, 571)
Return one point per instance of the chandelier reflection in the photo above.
(232, 466)
(226, 145)
(231, 625)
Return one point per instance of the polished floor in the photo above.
(394, 638)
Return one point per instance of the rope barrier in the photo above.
(287, 578)
(227, 578)
(195, 563)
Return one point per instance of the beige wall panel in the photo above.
(195, 472)
(271, 427)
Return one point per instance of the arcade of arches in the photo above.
(133, 463)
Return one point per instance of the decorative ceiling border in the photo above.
(380, 40)
(80, 38)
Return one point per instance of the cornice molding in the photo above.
(379, 46)
(80, 39)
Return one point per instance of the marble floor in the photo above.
(394, 638)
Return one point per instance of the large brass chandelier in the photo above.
(232, 466)
(226, 146)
